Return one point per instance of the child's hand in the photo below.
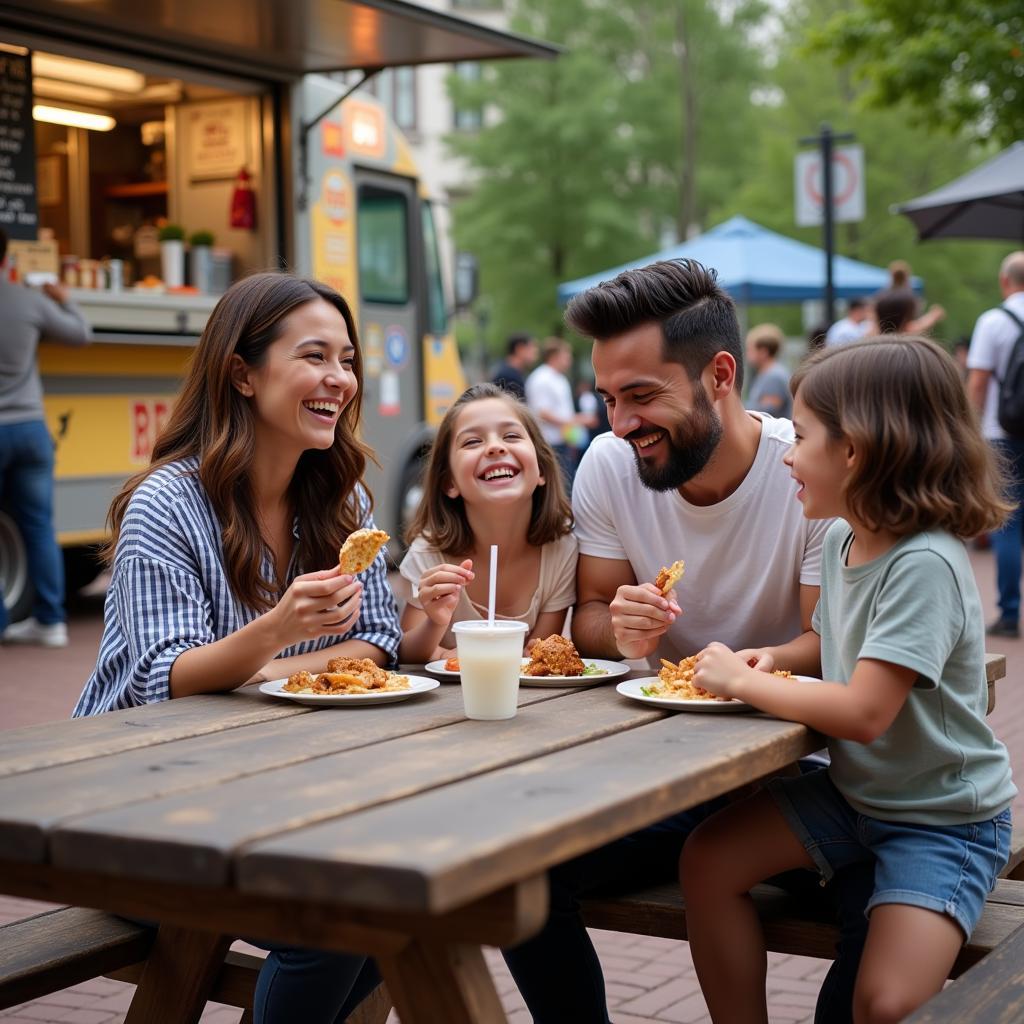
(440, 588)
(317, 604)
(720, 671)
(760, 658)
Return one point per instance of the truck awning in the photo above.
(273, 39)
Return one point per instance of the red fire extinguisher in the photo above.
(243, 202)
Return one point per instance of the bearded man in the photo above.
(687, 473)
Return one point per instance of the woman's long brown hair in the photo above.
(213, 422)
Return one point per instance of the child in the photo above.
(917, 784)
(221, 547)
(492, 479)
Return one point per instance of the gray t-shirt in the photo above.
(26, 318)
(771, 383)
(916, 606)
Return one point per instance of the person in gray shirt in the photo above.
(27, 317)
(769, 390)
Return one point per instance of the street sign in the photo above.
(847, 185)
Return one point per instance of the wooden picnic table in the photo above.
(402, 831)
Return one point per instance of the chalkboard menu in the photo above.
(18, 212)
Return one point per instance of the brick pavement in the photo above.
(650, 981)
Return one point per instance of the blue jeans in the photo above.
(1006, 541)
(26, 489)
(311, 986)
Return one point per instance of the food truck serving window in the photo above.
(383, 232)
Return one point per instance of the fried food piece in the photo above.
(298, 682)
(676, 682)
(360, 549)
(669, 576)
(373, 676)
(556, 656)
(452, 665)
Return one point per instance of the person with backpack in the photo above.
(995, 387)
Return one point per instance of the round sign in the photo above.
(396, 347)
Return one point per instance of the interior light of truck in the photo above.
(74, 118)
(58, 90)
(87, 72)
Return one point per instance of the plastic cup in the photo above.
(490, 661)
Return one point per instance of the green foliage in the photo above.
(958, 63)
(200, 238)
(170, 233)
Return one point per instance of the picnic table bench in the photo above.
(405, 832)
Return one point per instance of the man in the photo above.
(549, 396)
(520, 355)
(26, 448)
(687, 473)
(769, 390)
(851, 327)
(987, 359)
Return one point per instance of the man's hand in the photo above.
(640, 617)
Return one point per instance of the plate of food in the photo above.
(446, 669)
(673, 688)
(348, 682)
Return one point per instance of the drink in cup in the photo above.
(490, 660)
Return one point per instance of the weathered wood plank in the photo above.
(450, 845)
(995, 667)
(991, 992)
(32, 803)
(503, 918)
(191, 837)
(60, 948)
(53, 743)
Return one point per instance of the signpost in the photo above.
(819, 201)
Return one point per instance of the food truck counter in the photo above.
(127, 317)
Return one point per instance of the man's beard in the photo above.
(690, 444)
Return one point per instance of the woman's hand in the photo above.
(719, 671)
(317, 604)
(440, 587)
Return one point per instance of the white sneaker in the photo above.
(29, 631)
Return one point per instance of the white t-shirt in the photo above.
(842, 332)
(549, 391)
(991, 343)
(745, 557)
(556, 587)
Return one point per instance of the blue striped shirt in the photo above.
(170, 592)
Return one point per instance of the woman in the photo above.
(221, 547)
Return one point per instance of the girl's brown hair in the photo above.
(213, 422)
(442, 521)
(920, 460)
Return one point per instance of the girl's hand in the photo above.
(720, 671)
(440, 588)
(761, 658)
(317, 604)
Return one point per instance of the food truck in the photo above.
(150, 154)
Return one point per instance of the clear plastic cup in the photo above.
(490, 661)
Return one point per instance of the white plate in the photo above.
(417, 685)
(631, 688)
(612, 670)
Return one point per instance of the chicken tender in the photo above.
(360, 549)
(372, 675)
(556, 656)
(670, 576)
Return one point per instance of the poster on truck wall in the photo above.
(19, 215)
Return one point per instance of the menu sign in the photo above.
(18, 211)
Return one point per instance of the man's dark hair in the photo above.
(857, 303)
(516, 342)
(697, 318)
(3, 245)
(894, 309)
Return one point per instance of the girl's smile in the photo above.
(819, 464)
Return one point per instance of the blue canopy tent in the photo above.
(756, 265)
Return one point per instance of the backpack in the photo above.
(1010, 410)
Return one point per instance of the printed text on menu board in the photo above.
(18, 212)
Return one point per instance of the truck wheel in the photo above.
(17, 587)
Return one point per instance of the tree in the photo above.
(590, 159)
(959, 63)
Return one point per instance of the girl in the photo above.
(491, 479)
(218, 547)
(918, 785)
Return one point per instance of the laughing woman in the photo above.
(219, 547)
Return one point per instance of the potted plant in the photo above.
(200, 249)
(172, 255)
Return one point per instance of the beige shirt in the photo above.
(556, 588)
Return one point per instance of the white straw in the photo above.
(493, 584)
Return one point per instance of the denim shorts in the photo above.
(946, 868)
